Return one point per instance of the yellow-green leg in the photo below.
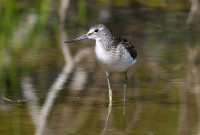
(110, 91)
(125, 84)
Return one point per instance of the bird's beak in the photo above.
(77, 39)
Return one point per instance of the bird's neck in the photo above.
(105, 40)
(104, 43)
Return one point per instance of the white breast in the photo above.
(119, 61)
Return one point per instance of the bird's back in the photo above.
(127, 44)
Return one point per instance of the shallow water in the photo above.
(48, 87)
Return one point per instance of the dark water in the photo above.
(50, 88)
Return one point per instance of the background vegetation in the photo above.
(164, 86)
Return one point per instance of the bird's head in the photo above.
(96, 32)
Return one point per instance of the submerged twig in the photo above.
(194, 9)
(14, 101)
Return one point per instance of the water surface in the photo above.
(48, 87)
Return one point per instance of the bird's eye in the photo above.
(96, 30)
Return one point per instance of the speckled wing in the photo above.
(128, 45)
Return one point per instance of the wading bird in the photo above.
(113, 54)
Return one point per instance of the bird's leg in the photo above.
(110, 91)
(125, 84)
